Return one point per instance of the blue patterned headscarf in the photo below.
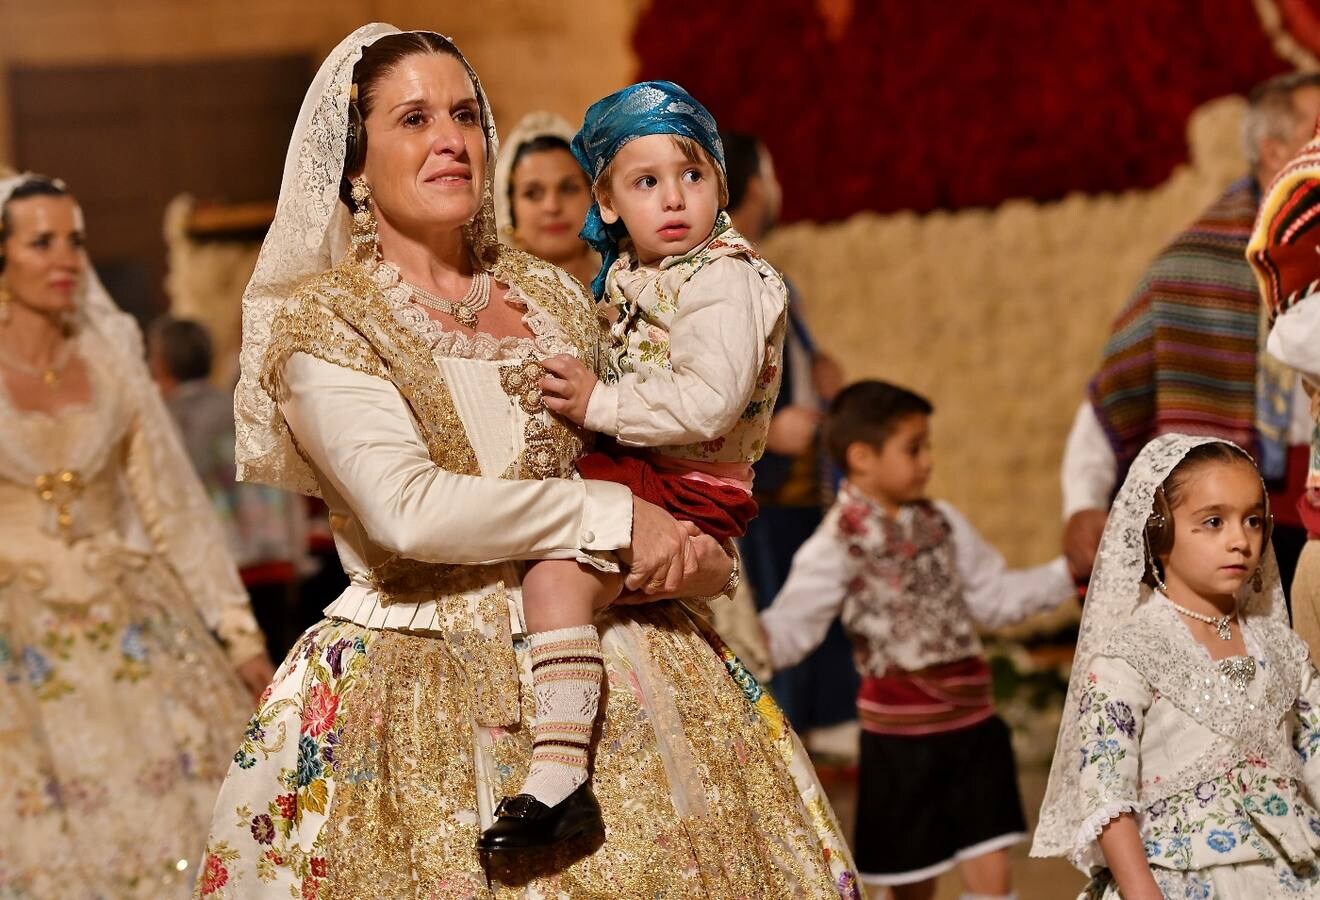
(651, 107)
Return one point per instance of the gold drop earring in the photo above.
(366, 242)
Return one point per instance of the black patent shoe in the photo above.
(525, 823)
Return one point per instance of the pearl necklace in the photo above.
(50, 375)
(1219, 622)
(465, 310)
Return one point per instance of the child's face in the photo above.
(667, 203)
(897, 471)
(1218, 530)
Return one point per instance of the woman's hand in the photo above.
(567, 389)
(257, 673)
(714, 567)
(658, 558)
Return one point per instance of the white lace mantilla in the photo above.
(1122, 618)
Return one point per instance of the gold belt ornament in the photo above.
(61, 490)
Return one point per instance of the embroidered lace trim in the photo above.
(549, 337)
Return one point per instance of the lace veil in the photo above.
(180, 519)
(310, 234)
(1116, 592)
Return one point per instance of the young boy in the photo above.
(911, 579)
(689, 384)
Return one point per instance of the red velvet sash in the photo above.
(934, 700)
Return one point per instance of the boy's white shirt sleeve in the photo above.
(796, 623)
(716, 351)
(1295, 338)
(1090, 469)
(996, 595)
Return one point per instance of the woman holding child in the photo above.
(394, 371)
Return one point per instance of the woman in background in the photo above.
(118, 709)
(542, 195)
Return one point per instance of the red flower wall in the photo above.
(928, 105)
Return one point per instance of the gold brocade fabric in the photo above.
(364, 762)
(379, 755)
(344, 316)
(118, 710)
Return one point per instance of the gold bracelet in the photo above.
(735, 577)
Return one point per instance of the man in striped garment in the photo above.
(1186, 353)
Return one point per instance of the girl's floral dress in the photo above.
(1221, 772)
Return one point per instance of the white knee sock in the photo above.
(566, 675)
(1011, 895)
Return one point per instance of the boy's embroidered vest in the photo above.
(903, 606)
(343, 317)
(640, 339)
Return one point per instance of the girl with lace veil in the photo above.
(118, 708)
(390, 366)
(1187, 761)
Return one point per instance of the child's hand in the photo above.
(568, 387)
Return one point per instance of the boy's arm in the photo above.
(997, 595)
(809, 600)
(716, 350)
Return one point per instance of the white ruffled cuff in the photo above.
(1088, 833)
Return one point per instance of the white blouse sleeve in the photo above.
(360, 435)
(1295, 338)
(716, 350)
(176, 516)
(1090, 468)
(997, 595)
(1306, 730)
(1113, 716)
(795, 624)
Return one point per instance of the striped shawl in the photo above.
(1182, 355)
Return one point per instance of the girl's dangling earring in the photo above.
(366, 242)
(1159, 582)
(1152, 563)
(1257, 581)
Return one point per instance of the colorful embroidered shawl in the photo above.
(1183, 354)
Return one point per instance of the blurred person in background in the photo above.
(794, 479)
(1187, 352)
(266, 528)
(542, 195)
(118, 707)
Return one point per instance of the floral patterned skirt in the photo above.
(363, 774)
(1263, 880)
(118, 714)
